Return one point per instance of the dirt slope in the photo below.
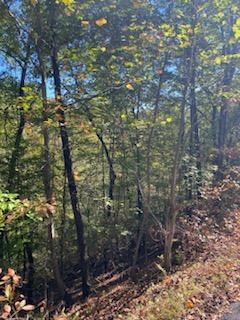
(202, 288)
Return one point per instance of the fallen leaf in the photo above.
(189, 304)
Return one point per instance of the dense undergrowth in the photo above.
(201, 286)
(209, 279)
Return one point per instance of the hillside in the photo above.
(203, 290)
(203, 287)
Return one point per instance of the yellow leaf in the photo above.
(129, 86)
(101, 22)
(47, 123)
(20, 304)
(103, 49)
(169, 120)
(163, 122)
(77, 176)
(218, 60)
(85, 23)
(67, 2)
(9, 292)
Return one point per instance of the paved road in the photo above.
(234, 312)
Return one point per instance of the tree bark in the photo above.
(29, 271)
(227, 79)
(21, 124)
(112, 174)
(194, 133)
(229, 72)
(69, 171)
(170, 220)
(48, 188)
(172, 214)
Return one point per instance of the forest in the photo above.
(119, 159)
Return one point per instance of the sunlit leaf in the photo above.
(129, 86)
(8, 292)
(85, 23)
(101, 22)
(218, 60)
(67, 2)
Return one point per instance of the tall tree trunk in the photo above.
(222, 132)
(214, 126)
(149, 144)
(194, 133)
(228, 75)
(63, 227)
(69, 171)
(112, 174)
(16, 149)
(143, 214)
(170, 222)
(12, 173)
(48, 187)
(171, 215)
(29, 271)
(152, 127)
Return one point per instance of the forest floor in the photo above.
(202, 288)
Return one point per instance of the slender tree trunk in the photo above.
(16, 149)
(170, 220)
(142, 212)
(30, 271)
(214, 126)
(112, 174)
(69, 171)
(48, 187)
(63, 221)
(222, 132)
(194, 133)
(152, 127)
(12, 173)
(229, 72)
(172, 213)
(142, 234)
(194, 136)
